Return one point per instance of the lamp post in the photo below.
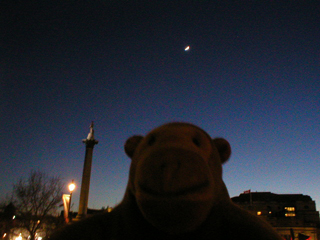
(71, 187)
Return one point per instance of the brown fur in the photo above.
(175, 191)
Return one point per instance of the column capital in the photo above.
(90, 142)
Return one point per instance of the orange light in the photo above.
(71, 186)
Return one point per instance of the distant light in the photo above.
(258, 213)
(14, 216)
(72, 186)
(19, 238)
(187, 48)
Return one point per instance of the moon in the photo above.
(187, 48)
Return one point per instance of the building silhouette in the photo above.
(294, 216)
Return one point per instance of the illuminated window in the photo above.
(258, 213)
(290, 209)
(290, 212)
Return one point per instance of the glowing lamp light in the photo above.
(19, 238)
(71, 186)
(187, 48)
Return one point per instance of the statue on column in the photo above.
(91, 133)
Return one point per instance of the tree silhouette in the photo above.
(35, 199)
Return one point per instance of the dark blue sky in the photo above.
(252, 76)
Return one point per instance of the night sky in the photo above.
(252, 76)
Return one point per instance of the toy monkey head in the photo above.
(176, 175)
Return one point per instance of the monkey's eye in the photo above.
(196, 142)
(151, 140)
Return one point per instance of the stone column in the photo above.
(85, 184)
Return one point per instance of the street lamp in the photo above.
(71, 187)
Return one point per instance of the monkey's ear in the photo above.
(131, 145)
(223, 147)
